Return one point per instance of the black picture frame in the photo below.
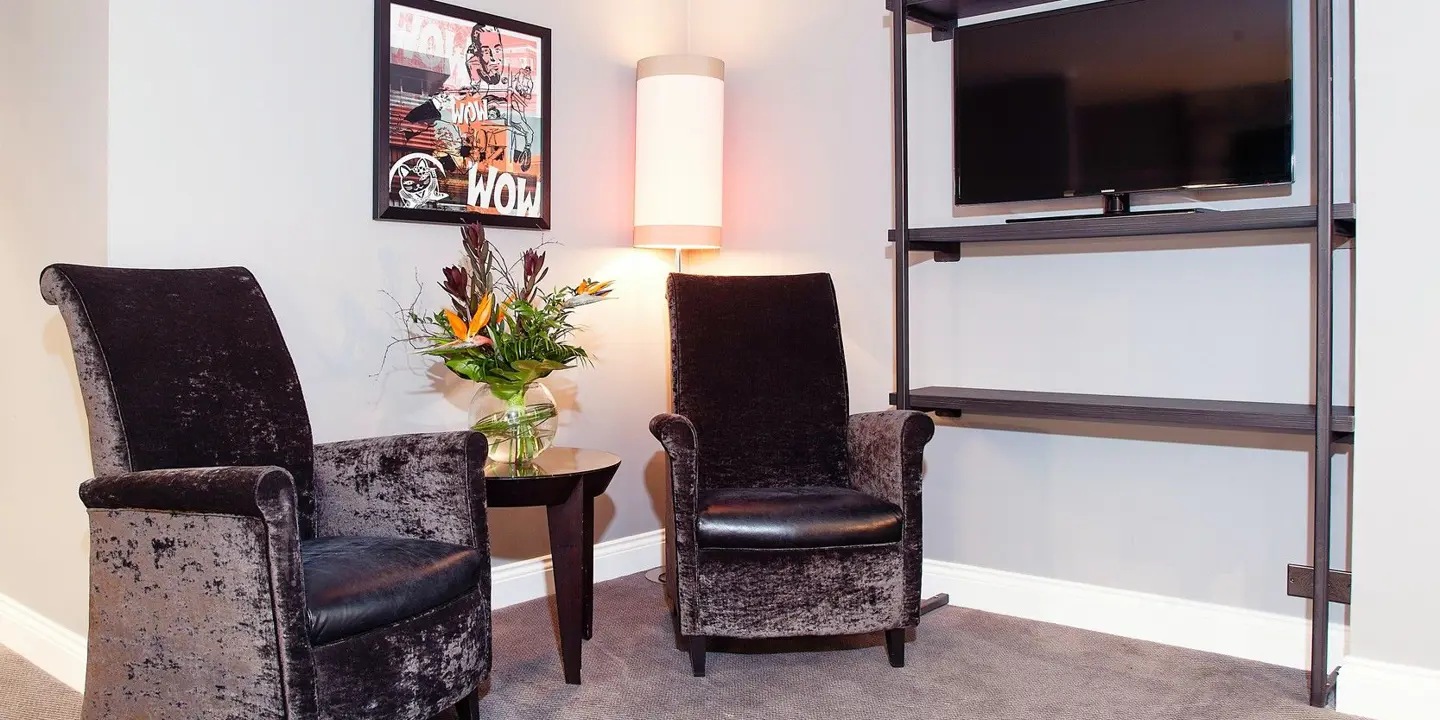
(468, 143)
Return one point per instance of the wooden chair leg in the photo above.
(469, 706)
(697, 655)
(895, 647)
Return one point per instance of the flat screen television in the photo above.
(1124, 96)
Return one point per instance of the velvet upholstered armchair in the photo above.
(790, 516)
(237, 571)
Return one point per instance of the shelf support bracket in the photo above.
(941, 27)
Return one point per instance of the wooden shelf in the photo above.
(1222, 414)
(947, 238)
(942, 14)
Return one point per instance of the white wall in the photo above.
(1392, 671)
(241, 134)
(52, 209)
(1397, 490)
(1202, 516)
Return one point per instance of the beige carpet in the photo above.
(26, 693)
(962, 665)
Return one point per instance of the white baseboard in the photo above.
(60, 651)
(1250, 634)
(1386, 691)
(1367, 688)
(48, 645)
(517, 582)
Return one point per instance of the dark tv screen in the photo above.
(1124, 96)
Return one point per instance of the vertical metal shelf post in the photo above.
(902, 208)
(902, 238)
(1322, 46)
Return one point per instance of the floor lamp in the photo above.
(679, 150)
(679, 153)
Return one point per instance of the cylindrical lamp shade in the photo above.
(679, 143)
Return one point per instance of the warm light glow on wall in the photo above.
(679, 138)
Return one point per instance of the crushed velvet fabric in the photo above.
(760, 401)
(391, 486)
(204, 492)
(152, 571)
(682, 585)
(182, 369)
(426, 664)
(818, 591)
(247, 491)
(203, 575)
(887, 452)
(761, 352)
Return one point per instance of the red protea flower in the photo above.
(474, 234)
(457, 283)
(533, 262)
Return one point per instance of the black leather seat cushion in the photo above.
(354, 584)
(798, 517)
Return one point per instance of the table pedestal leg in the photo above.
(587, 543)
(567, 524)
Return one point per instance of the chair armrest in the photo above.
(425, 486)
(681, 442)
(678, 436)
(261, 492)
(886, 452)
(211, 556)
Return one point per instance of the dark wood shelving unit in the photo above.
(946, 238)
(1330, 425)
(942, 14)
(1217, 414)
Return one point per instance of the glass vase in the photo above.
(518, 421)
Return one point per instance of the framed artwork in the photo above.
(462, 124)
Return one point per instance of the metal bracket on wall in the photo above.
(942, 34)
(930, 605)
(948, 257)
(1301, 578)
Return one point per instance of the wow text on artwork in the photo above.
(504, 192)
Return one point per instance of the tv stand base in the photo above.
(1093, 216)
(1116, 205)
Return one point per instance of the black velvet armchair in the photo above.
(790, 516)
(237, 571)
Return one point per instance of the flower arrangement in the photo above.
(504, 331)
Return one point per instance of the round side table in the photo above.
(565, 481)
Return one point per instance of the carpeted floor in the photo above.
(26, 693)
(962, 664)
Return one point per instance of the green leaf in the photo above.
(465, 368)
